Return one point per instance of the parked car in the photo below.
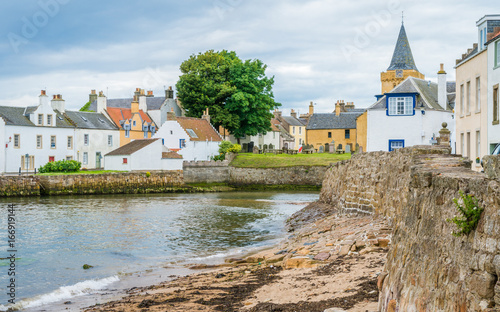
(496, 151)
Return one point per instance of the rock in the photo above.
(360, 243)
(383, 242)
(380, 280)
(353, 247)
(275, 258)
(483, 283)
(335, 310)
(311, 243)
(303, 252)
(329, 245)
(236, 260)
(373, 242)
(322, 256)
(300, 263)
(254, 259)
(68, 302)
(220, 275)
(347, 242)
(87, 266)
(368, 250)
(391, 307)
(344, 250)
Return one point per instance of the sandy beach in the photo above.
(328, 261)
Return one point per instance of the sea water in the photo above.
(124, 237)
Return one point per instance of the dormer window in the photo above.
(49, 120)
(40, 119)
(400, 105)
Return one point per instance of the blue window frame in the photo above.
(400, 104)
(182, 143)
(395, 144)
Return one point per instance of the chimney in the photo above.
(293, 114)
(277, 113)
(58, 103)
(137, 91)
(171, 115)
(311, 108)
(206, 116)
(150, 93)
(169, 93)
(349, 105)
(102, 103)
(142, 101)
(92, 96)
(134, 106)
(337, 108)
(442, 93)
(44, 99)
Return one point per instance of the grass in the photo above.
(78, 172)
(248, 160)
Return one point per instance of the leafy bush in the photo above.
(224, 146)
(236, 148)
(219, 157)
(61, 166)
(470, 213)
(148, 174)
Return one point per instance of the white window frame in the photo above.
(53, 142)
(49, 120)
(86, 139)
(70, 142)
(17, 140)
(400, 106)
(40, 119)
(110, 140)
(467, 103)
(478, 94)
(39, 141)
(85, 158)
(396, 144)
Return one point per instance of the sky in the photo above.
(318, 51)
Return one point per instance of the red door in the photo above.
(51, 158)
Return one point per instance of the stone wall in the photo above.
(19, 186)
(112, 183)
(428, 269)
(299, 175)
(206, 171)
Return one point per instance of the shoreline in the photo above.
(329, 260)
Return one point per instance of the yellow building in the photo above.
(295, 127)
(402, 64)
(338, 128)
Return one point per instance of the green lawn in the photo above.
(248, 160)
(79, 172)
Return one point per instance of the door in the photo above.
(98, 160)
(52, 158)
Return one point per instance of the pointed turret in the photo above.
(402, 58)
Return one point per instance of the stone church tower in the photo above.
(402, 64)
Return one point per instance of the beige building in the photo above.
(294, 126)
(471, 98)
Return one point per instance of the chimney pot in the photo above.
(170, 88)
(137, 89)
(92, 92)
(54, 97)
(43, 92)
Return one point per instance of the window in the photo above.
(127, 133)
(497, 53)
(85, 158)
(145, 134)
(110, 140)
(462, 144)
(70, 142)
(69, 157)
(467, 103)
(49, 120)
(17, 140)
(395, 144)
(300, 130)
(38, 141)
(52, 141)
(85, 139)
(347, 133)
(182, 143)
(495, 105)
(400, 106)
(133, 123)
(481, 42)
(52, 158)
(329, 134)
(40, 119)
(461, 99)
(124, 160)
(478, 144)
(27, 162)
(171, 132)
(478, 94)
(191, 133)
(293, 130)
(468, 145)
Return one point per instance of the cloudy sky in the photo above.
(318, 50)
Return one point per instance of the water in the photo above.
(127, 236)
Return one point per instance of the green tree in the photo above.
(238, 93)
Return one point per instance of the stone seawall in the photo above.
(19, 186)
(428, 269)
(206, 171)
(299, 175)
(112, 183)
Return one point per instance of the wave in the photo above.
(63, 293)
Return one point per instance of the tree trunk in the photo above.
(238, 140)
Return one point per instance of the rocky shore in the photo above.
(330, 262)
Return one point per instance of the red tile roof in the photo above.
(274, 124)
(171, 155)
(201, 127)
(118, 114)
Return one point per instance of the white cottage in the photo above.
(193, 138)
(493, 45)
(142, 155)
(411, 114)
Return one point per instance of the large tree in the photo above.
(238, 93)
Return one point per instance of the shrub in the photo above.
(470, 213)
(224, 146)
(148, 174)
(219, 157)
(236, 148)
(61, 166)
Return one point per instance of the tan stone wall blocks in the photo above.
(299, 175)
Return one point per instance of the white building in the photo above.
(411, 114)
(270, 138)
(493, 93)
(193, 138)
(143, 155)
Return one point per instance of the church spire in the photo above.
(402, 57)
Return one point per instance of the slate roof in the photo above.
(285, 134)
(15, 116)
(91, 121)
(428, 92)
(132, 147)
(171, 155)
(332, 121)
(402, 57)
(292, 121)
(152, 103)
(201, 127)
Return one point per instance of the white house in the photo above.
(193, 138)
(260, 140)
(493, 45)
(143, 154)
(411, 114)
